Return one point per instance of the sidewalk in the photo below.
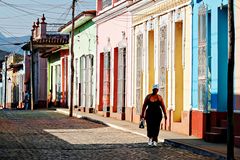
(187, 142)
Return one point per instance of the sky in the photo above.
(17, 16)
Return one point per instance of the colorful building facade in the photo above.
(57, 76)
(13, 81)
(84, 92)
(43, 40)
(210, 68)
(114, 87)
(162, 55)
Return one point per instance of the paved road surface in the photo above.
(27, 135)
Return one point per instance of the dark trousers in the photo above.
(153, 128)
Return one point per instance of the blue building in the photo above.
(209, 69)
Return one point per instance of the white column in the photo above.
(131, 65)
(156, 48)
(173, 63)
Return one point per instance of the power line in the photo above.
(59, 5)
(12, 6)
(22, 10)
(85, 7)
(45, 10)
(6, 31)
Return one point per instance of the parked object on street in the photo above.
(153, 116)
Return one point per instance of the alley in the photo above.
(50, 135)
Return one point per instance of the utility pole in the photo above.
(231, 43)
(31, 73)
(72, 59)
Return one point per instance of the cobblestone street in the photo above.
(50, 135)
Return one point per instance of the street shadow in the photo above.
(199, 146)
(37, 136)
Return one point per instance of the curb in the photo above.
(196, 150)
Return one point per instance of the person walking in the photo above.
(26, 100)
(152, 109)
(50, 99)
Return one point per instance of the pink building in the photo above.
(114, 93)
(44, 39)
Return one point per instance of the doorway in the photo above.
(151, 76)
(178, 72)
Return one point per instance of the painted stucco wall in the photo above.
(53, 61)
(169, 20)
(113, 29)
(85, 39)
(237, 55)
(84, 44)
(218, 51)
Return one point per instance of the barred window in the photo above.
(163, 61)
(202, 58)
(121, 78)
(106, 82)
(83, 77)
(139, 75)
(89, 80)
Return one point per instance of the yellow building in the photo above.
(161, 34)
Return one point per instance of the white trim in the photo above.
(184, 38)
(195, 109)
(236, 111)
(106, 9)
(156, 49)
(138, 4)
(162, 13)
(118, 3)
(145, 59)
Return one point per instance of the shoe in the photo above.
(150, 142)
(154, 143)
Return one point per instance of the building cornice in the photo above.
(138, 4)
(159, 7)
(112, 13)
(78, 20)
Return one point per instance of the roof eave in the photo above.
(80, 21)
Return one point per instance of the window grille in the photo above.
(83, 83)
(139, 75)
(76, 82)
(89, 80)
(163, 62)
(59, 82)
(121, 79)
(106, 82)
(202, 58)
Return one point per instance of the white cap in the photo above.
(155, 86)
